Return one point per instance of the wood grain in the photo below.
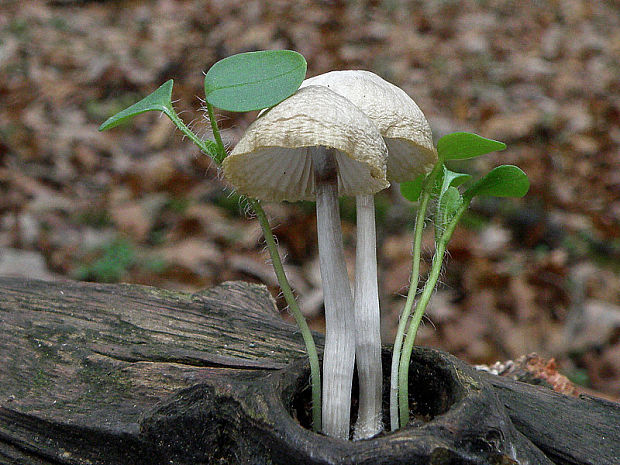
(126, 374)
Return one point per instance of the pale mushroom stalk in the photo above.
(367, 316)
(339, 352)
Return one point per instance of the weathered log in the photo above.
(124, 374)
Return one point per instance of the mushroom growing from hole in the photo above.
(317, 145)
(409, 140)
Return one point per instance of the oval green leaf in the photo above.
(464, 145)
(254, 80)
(503, 181)
(160, 100)
(411, 190)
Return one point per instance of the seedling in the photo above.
(441, 183)
(245, 82)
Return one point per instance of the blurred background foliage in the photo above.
(140, 204)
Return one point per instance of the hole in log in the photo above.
(433, 389)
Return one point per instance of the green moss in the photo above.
(169, 294)
(123, 328)
(40, 380)
(38, 338)
(258, 410)
(101, 376)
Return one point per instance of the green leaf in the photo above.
(254, 80)
(464, 145)
(447, 208)
(445, 189)
(503, 181)
(411, 190)
(160, 100)
(450, 178)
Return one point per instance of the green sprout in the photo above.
(244, 82)
(442, 184)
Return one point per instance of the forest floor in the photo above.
(140, 204)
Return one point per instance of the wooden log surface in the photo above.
(123, 374)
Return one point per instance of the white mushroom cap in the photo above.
(272, 162)
(406, 132)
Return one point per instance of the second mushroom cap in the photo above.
(399, 119)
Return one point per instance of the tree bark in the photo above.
(125, 374)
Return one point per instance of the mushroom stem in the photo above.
(367, 322)
(339, 352)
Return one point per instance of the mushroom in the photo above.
(317, 145)
(409, 140)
